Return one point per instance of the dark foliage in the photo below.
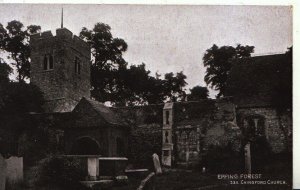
(5, 70)
(17, 98)
(218, 62)
(144, 142)
(198, 93)
(113, 80)
(60, 172)
(14, 39)
(221, 159)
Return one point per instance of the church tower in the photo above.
(60, 67)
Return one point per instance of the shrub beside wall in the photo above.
(61, 172)
(144, 141)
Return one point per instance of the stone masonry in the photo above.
(60, 67)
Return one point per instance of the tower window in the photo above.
(77, 65)
(48, 62)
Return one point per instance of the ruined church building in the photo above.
(182, 131)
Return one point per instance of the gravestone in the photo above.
(156, 163)
(14, 169)
(93, 167)
(2, 172)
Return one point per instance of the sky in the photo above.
(169, 38)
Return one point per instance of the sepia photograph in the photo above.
(146, 97)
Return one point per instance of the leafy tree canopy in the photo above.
(218, 62)
(113, 80)
(5, 71)
(198, 93)
(16, 98)
(14, 40)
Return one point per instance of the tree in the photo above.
(113, 80)
(218, 61)
(15, 41)
(18, 98)
(107, 61)
(5, 70)
(198, 93)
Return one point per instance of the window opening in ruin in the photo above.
(166, 152)
(255, 126)
(167, 117)
(166, 137)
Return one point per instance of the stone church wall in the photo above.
(273, 130)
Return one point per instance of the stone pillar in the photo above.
(247, 158)
(167, 144)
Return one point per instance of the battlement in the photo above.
(61, 34)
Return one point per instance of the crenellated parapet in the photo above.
(62, 35)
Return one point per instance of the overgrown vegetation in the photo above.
(223, 160)
(62, 172)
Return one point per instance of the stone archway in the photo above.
(85, 146)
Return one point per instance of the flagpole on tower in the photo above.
(62, 17)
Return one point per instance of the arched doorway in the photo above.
(85, 146)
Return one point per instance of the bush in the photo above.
(144, 142)
(62, 172)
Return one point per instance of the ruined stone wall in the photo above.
(272, 127)
(62, 86)
(201, 125)
(197, 126)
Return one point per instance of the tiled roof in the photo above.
(105, 112)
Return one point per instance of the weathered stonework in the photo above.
(196, 126)
(63, 86)
(272, 126)
(200, 125)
